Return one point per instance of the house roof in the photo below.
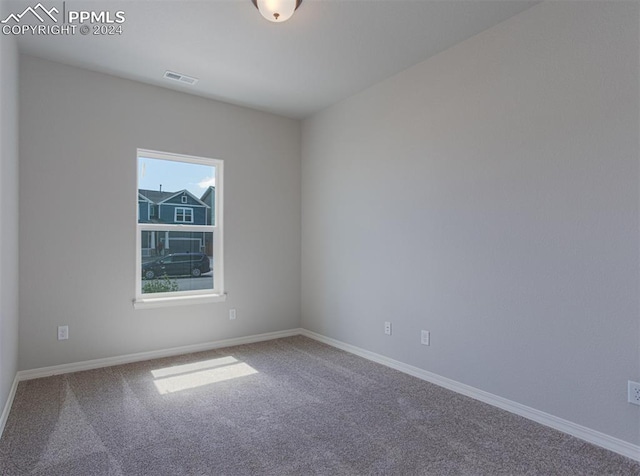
(210, 189)
(140, 196)
(156, 197)
(186, 192)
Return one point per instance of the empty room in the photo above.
(336, 237)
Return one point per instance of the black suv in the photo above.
(177, 264)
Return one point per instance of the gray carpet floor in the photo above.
(288, 406)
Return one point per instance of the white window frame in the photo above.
(217, 294)
(184, 199)
(184, 209)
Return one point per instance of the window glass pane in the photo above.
(176, 261)
(176, 219)
(167, 185)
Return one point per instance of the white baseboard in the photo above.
(587, 434)
(7, 406)
(155, 354)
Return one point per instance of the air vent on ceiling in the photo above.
(180, 77)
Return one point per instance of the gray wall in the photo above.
(8, 215)
(79, 134)
(490, 195)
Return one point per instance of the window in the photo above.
(179, 255)
(183, 215)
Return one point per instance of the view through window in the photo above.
(179, 235)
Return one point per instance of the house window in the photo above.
(184, 215)
(179, 257)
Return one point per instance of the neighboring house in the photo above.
(209, 197)
(171, 207)
(179, 208)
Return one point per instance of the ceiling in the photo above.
(329, 49)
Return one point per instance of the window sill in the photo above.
(152, 303)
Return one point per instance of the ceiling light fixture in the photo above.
(277, 11)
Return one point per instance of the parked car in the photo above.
(177, 264)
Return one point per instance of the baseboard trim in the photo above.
(587, 434)
(7, 405)
(155, 354)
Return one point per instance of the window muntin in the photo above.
(179, 254)
(183, 215)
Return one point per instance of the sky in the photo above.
(174, 176)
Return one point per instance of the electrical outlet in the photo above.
(232, 314)
(425, 338)
(634, 392)
(63, 332)
(387, 328)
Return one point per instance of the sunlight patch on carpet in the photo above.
(193, 367)
(182, 377)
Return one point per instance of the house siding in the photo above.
(168, 210)
(143, 211)
(209, 198)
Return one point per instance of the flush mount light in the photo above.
(277, 11)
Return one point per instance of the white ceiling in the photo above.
(329, 50)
